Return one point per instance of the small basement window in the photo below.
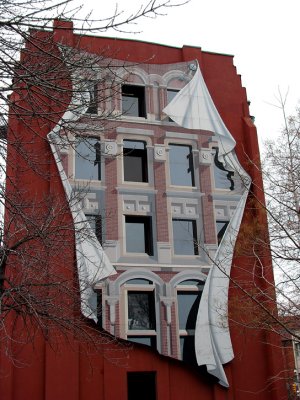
(141, 385)
(133, 101)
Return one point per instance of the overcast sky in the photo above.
(263, 36)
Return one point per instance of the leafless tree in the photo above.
(271, 241)
(40, 78)
(282, 188)
(266, 266)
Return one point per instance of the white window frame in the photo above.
(150, 233)
(139, 288)
(176, 143)
(185, 218)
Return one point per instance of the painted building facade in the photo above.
(161, 198)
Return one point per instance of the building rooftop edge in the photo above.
(68, 25)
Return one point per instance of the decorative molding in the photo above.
(159, 153)
(135, 131)
(182, 135)
(110, 148)
(205, 156)
(184, 195)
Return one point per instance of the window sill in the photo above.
(136, 183)
(223, 189)
(86, 181)
(136, 189)
(183, 187)
(140, 332)
(185, 256)
(133, 118)
(191, 193)
(133, 254)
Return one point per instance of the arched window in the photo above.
(140, 311)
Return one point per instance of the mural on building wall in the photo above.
(165, 169)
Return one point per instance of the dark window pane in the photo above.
(187, 347)
(99, 309)
(170, 96)
(130, 105)
(297, 349)
(138, 234)
(134, 145)
(193, 282)
(146, 340)
(139, 281)
(133, 101)
(188, 303)
(223, 177)
(135, 237)
(181, 165)
(185, 237)
(135, 161)
(93, 90)
(221, 228)
(141, 310)
(141, 385)
(88, 159)
(95, 222)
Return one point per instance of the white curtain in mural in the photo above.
(193, 108)
(92, 263)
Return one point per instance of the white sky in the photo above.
(263, 36)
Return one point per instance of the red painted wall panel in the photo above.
(72, 372)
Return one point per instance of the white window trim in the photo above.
(138, 288)
(185, 218)
(194, 149)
